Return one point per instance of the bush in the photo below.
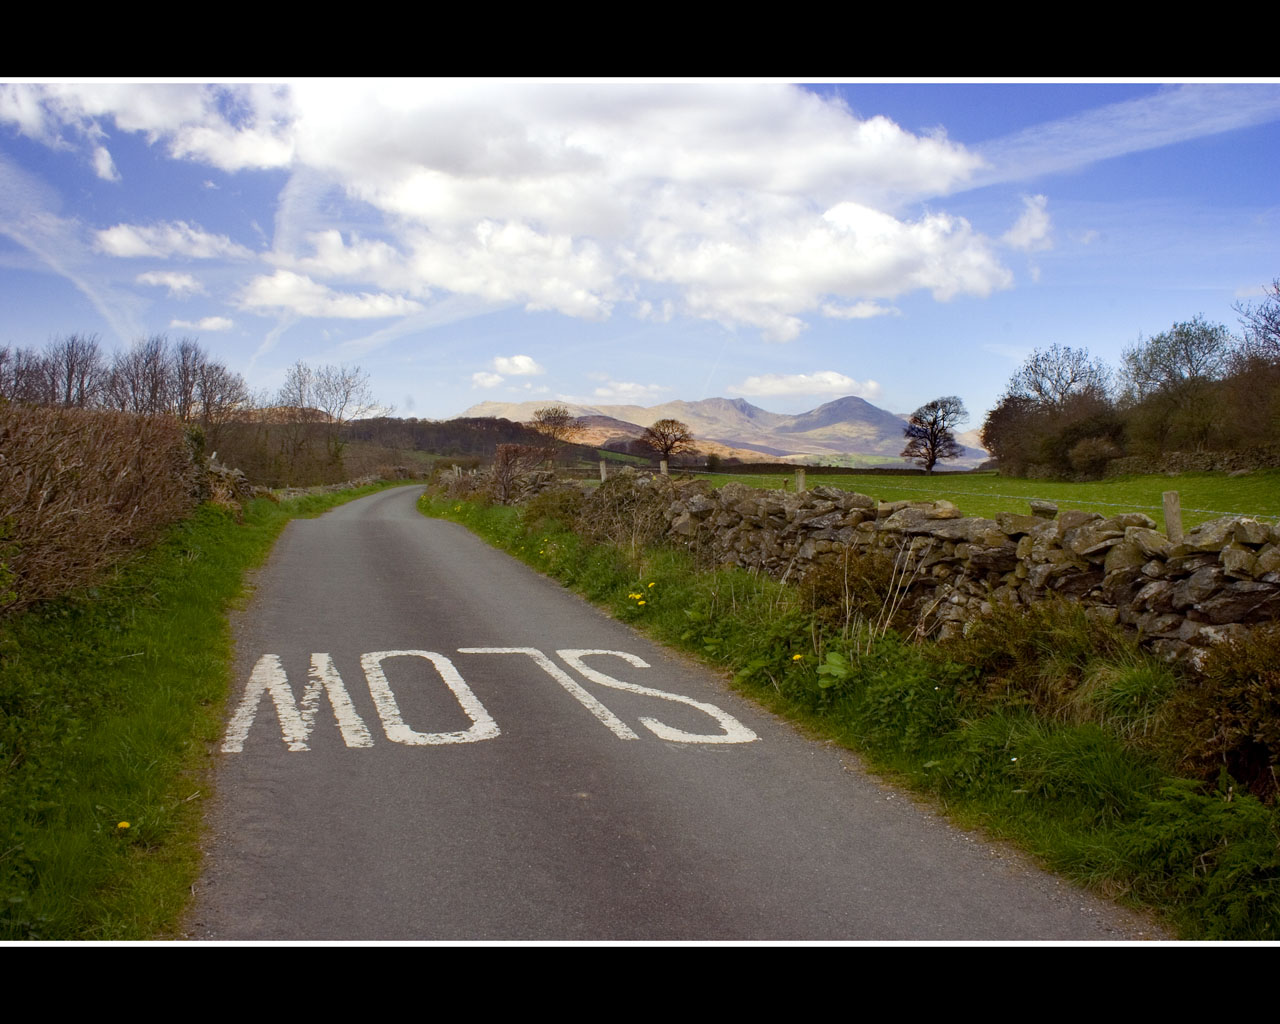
(1230, 719)
(81, 488)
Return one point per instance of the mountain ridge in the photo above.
(844, 428)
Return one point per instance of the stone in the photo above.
(1198, 587)
(1125, 555)
(1250, 531)
(1238, 561)
(1015, 525)
(1242, 601)
(1153, 543)
(1043, 509)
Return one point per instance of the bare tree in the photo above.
(75, 370)
(1052, 377)
(668, 437)
(929, 432)
(341, 393)
(556, 424)
(1261, 323)
(140, 379)
(220, 395)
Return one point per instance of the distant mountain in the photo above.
(846, 430)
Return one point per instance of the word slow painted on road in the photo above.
(298, 717)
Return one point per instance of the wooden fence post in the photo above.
(662, 467)
(1173, 516)
(800, 481)
(604, 472)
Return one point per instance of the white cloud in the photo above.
(628, 392)
(484, 379)
(103, 166)
(517, 366)
(208, 323)
(823, 382)
(179, 285)
(176, 238)
(859, 311)
(232, 127)
(1031, 231)
(296, 293)
(1169, 115)
(757, 204)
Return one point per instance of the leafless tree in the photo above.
(342, 394)
(220, 395)
(929, 432)
(1054, 376)
(140, 379)
(556, 424)
(1261, 323)
(75, 370)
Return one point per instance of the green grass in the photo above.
(1203, 495)
(1043, 732)
(110, 702)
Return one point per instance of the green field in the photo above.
(1203, 495)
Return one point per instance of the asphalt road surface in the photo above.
(429, 741)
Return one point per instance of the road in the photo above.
(429, 741)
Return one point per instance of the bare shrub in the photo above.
(80, 488)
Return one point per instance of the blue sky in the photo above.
(610, 242)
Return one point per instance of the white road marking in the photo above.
(735, 731)
(324, 676)
(612, 721)
(268, 676)
(483, 727)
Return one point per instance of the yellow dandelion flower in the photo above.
(123, 824)
(652, 584)
(797, 657)
(640, 602)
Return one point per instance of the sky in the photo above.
(636, 242)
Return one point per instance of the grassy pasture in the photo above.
(1204, 495)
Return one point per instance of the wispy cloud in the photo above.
(208, 323)
(1172, 114)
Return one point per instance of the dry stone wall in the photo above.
(1223, 578)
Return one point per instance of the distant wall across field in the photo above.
(1223, 578)
(1263, 456)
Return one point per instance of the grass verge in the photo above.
(110, 700)
(1044, 730)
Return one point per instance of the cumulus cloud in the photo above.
(517, 366)
(176, 238)
(208, 323)
(295, 293)
(1031, 231)
(179, 285)
(824, 382)
(484, 379)
(750, 204)
(231, 127)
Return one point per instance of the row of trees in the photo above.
(153, 377)
(296, 435)
(1194, 387)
